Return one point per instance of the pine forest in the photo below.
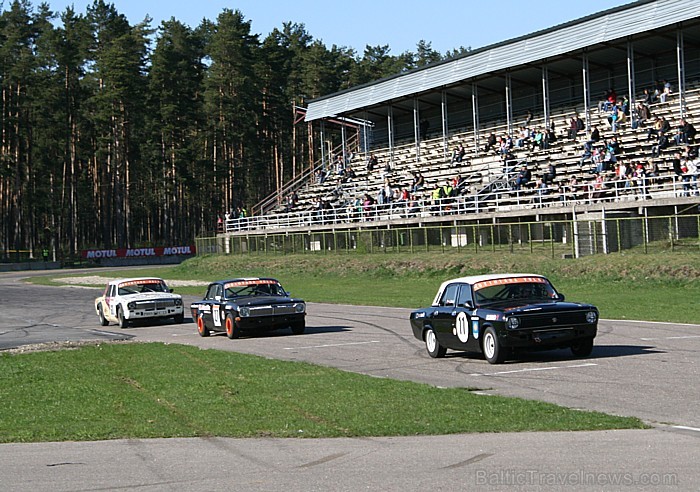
(117, 135)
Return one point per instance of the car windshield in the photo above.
(514, 289)
(247, 289)
(142, 286)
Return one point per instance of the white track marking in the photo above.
(671, 338)
(533, 369)
(330, 345)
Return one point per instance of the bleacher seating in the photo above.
(481, 170)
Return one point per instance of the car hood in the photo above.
(263, 300)
(150, 296)
(513, 307)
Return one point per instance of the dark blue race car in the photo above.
(499, 315)
(244, 305)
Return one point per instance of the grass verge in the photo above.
(661, 286)
(112, 391)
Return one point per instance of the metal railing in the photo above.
(503, 199)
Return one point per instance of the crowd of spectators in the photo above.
(603, 164)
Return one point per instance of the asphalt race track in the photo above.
(648, 370)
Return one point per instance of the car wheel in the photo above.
(491, 347)
(179, 318)
(435, 350)
(298, 328)
(232, 329)
(202, 328)
(582, 348)
(103, 320)
(123, 322)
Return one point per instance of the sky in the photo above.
(445, 24)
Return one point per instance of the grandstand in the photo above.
(539, 82)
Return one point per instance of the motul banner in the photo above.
(94, 254)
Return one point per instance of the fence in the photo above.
(575, 238)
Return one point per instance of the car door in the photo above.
(444, 315)
(207, 305)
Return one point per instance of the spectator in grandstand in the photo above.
(661, 144)
(491, 142)
(413, 205)
(609, 100)
(528, 119)
(458, 154)
(676, 163)
(551, 173)
(523, 137)
(690, 152)
(613, 118)
(575, 125)
(372, 162)
(599, 165)
(418, 182)
(220, 224)
(689, 176)
(539, 141)
(660, 125)
(424, 127)
(686, 132)
(647, 98)
(595, 134)
(666, 91)
(387, 170)
(368, 206)
(598, 187)
(523, 178)
(643, 114)
(587, 152)
(447, 190)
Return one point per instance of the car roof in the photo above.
(245, 279)
(493, 276)
(133, 279)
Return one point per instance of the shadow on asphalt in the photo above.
(599, 352)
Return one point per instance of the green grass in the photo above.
(662, 286)
(113, 391)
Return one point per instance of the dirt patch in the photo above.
(55, 346)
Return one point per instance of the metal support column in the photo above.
(509, 105)
(681, 72)
(445, 126)
(586, 92)
(545, 95)
(416, 127)
(631, 84)
(475, 115)
(390, 129)
(323, 146)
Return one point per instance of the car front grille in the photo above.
(274, 310)
(155, 305)
(554, 319)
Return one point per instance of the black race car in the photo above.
(247, 305)
(501, 314)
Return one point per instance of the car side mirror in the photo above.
(468, 304)
(561, 297)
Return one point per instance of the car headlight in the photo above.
(300, 308)
(244, 312)
(513, 323)
(178, 302)
(591, 316)
(131, 306)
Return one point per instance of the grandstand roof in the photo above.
(613, 24)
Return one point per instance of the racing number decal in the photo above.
(462, 328)
(216, 314)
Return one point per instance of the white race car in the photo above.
(130, 299)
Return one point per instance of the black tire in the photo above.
(103, 321)
(123, 322)
(179, 318)
(299, 328)
(232, 329)
(491, 347)
(582, 348)
(202, 328)
(435, 350)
